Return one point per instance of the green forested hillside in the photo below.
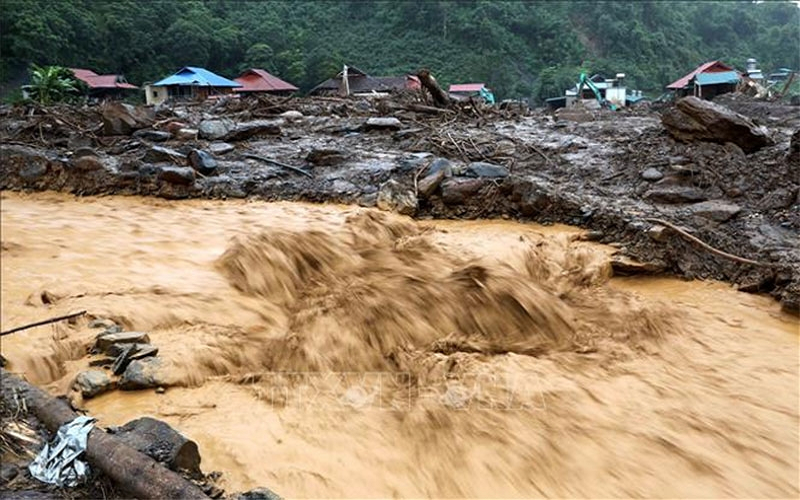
(522, 49)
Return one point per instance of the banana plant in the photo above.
(51, 84)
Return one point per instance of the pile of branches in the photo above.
(49, 126)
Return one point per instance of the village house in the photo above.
(189, 83)
(707, 81)
(467, 90)
(257, 81)
(103, 86)
(611, 90)
(353, 81)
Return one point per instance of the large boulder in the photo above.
(215, 129)
(183, 176)
(675, 194)
(694, 119)
(123, 119)
(143, 374)
(457, 191)
(158, 154)
(392, 197)
(250, 130)
(716, 210)
(484, 169)
(29, 163)
(382, 123)
(93, 382)
(202, 162)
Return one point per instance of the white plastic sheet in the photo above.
(59, 462)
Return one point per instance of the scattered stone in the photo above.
(76, 141)
(162, 443)
(202, 162)
(382, 123)
(258, 494)
(249, 130)
(777, 199)
(33, 171)
(326, 157)
(428, 185)
(153, 135)
(143, 374)
(716, 210)
(220, 148)
(675, 194)
(622, 266)
(105, 341)
(441, 164)
(292, 115)
(483, 169)
(186, 134)
(158, 154)
(87, 163)
(215, 129)
(456, 191)
(658, 233)
(794, 148)
(93, 382)
(160, 390)
(368, 200)
(592, 236)
(140, 350)
(111, 329)
(177, 175)
(174, 126)
(8, 472)
(652, 174)
(84, 151)
(123, 119)
(694, 119)
(393, 197)
(101, 323)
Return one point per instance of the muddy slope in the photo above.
(609, 172)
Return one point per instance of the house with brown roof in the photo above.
(707, 81)
(103, 86)
(258, 81)
(353, 81)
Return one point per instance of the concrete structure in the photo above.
(189, 83)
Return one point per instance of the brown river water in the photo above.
(330, 351)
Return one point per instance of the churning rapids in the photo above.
(326, 351)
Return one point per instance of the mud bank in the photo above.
(608, 172)
(332, 351)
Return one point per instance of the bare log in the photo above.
(43, 322)
(440, 97)
(277, 164)
(134, 472)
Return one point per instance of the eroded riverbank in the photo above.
(430, 358)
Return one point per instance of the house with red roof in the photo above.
(707, 81)
(466, 90)
(103, 86)
(258, 81)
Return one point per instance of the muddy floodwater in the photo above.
(332, 351)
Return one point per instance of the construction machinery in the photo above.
(584, 80)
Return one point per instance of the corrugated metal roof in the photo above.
(191, 75)
(95, 81)
(707, 67)
(467, 87)
(258, 80)
(717, 78)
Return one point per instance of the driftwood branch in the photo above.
(440, 97)
(277, 164)
(135, 473)
(707, 246)
(43, 322)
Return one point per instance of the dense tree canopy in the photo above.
(521, 49)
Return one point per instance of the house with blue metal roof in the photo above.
(189, 83)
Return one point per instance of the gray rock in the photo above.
(652, 174)
(106, 340)
(694, 119)
(33, 171)
(292, 115)
(214, 129)
(153, 135)
(428, 185)
(177, 175)
(777, 199)
(392, 197)
(258, 494)
(162, 443)
(622, 266)
(716, 210)
(84, 151)
(483, 169)
(87, 163)
(187, 134)
(101, 323)
(249, 130)
(658, 233)
(123, 119)
(77, 140)
(441, 164)
(118, 348)
(674, 194)
(326, 157)
(143, 374)
(220, 148)
(793, 156)
(368, 200)
(30, 163)
(8, 472)
(93, 382)
(456, 191)
(382, 123)
(158, 154)
(202, 162)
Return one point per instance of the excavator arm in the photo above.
(584, 80)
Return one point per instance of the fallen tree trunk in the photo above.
(134, 472)
(440, 97)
